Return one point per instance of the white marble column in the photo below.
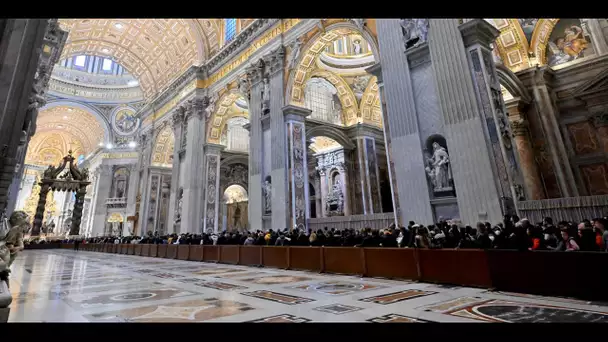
(278, 150)
(597, 36)
(295, 121)
(20, 45)
(212, 186)
(255, 74)
(192, 215)
(146, 143)
(323, 191)
(376, 70)
(404, 146)
(477, 35)
(177, 122)
(102, 192)
(473, 174)
(368, 175)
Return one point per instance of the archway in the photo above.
(235, 208)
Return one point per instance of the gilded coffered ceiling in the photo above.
(323, 144)
(155, 51)
(61, 129)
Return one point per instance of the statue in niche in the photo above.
(439, 169)
(266, 96)
(237, 218)
(335, 199)
(244, 87)
(357, 49)
(295, 53)
(415, 32)
(267, 189)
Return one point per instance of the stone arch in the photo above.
(371, 107)
(330, 132)
(164, 144)
(508, 80)
(311, 50)
(103, 120)
(345, 93)
(512, 44)
(540, 39)
(219, 117)
(229, 162)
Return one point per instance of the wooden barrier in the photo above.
(460, 267)
(183, 251)
(161, 251)
(137, 250)
(51, 245)
(568, 274)
(250, 255)
(277, 257)
(229, 254)
(171, 252)
(145, 250)
(343, 260)
(153, 252)
(196, 253)
(131, 249)
(391, 263)
(124, 248)
(306, 258)
(211, 253)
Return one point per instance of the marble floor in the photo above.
(68, 286)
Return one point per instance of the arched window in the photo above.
(237, 137)
(321, 97)
(229, 29)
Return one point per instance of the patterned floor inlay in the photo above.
(166, 275)
(196, 310)
(145, 271)
(395, 297)
(211, 271)
(97, 300)
(285, 318)
(338, 309)
(239, 275)
(279, 279)
(65, 286)
(336, 287)
(395, 318)
(189, 280)
(278, 297)
(496, 310)
(221, 286)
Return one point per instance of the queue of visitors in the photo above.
(512, 233)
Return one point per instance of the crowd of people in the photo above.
(512, 233)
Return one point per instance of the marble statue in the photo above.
(266, 95)
(244, 87)
(267, 196)
(11, 242)
(180, 202)
(295, 53)
(335, 200)
(439, 169)
(211, 106)
(357, 49)
(415, 32)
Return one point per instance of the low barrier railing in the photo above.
(543, 272)
(573, 209)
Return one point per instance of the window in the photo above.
(229, 29)
(106, 65)
(80, 61)
(319, 97)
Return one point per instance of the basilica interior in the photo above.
(197, 125)
(175, 126)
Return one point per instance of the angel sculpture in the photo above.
(211, 106)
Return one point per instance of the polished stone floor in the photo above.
(68, 286)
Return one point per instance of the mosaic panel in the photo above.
(336, 287)
(285, 318)
(190, 311)
(395, 297)
(278, 297)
